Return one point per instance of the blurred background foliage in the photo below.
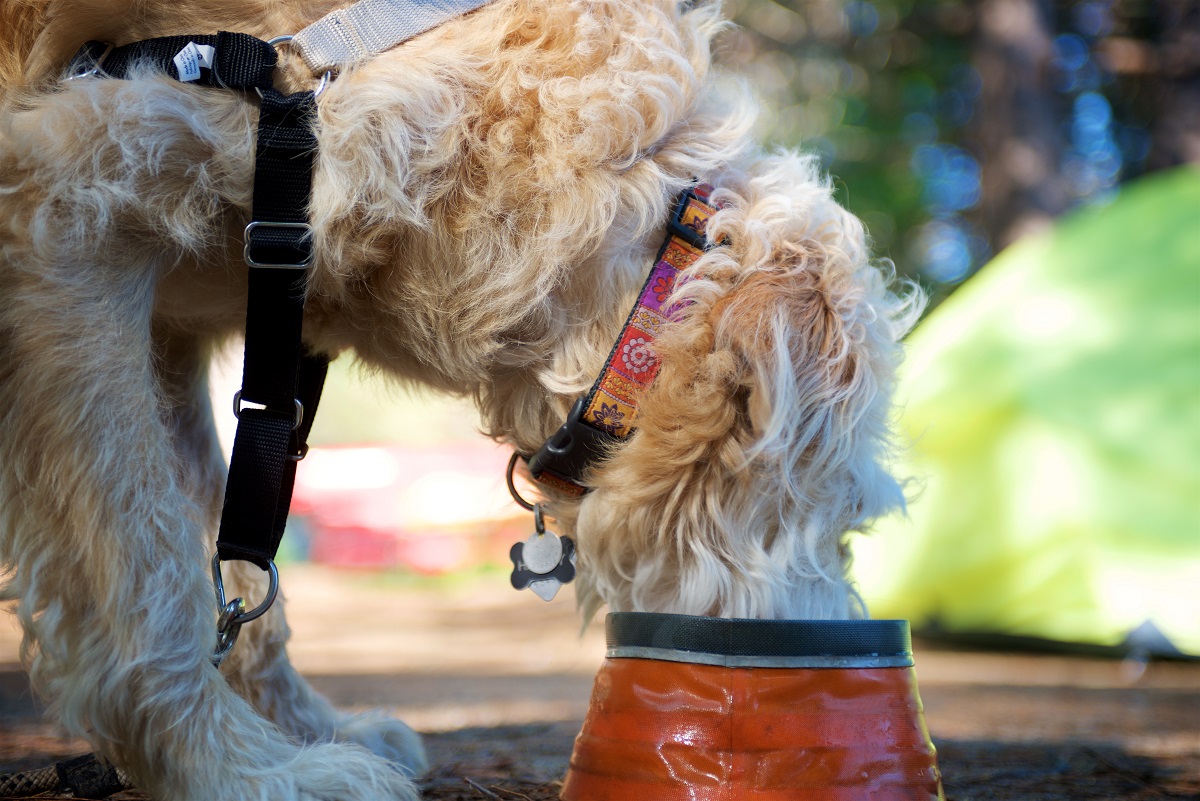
(953, 128)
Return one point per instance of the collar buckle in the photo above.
(572, 449)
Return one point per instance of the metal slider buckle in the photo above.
(572, 449)
(237, 411)
(257, 224)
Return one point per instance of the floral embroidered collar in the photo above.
(605, 417)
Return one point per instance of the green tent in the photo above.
(1052, 411)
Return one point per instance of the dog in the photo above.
(488, 198)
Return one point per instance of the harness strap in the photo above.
(369, 27)
(605, 417)
(278, 249)
(262, 471)
(280, 378)
(238, 61)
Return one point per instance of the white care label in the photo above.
(191, 58)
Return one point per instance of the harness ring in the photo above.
(286, 38)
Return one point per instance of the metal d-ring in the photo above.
(512, 488)
(240, 617)
(285, 39)
(232, 615)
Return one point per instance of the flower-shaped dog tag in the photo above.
(543, 563)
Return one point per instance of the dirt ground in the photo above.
(499, 682)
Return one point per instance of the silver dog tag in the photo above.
(542, 553)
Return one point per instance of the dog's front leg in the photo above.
(258, 668)
(108, 552)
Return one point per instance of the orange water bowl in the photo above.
(712, 709)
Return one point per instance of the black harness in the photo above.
(281, 378)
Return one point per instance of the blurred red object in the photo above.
(430, 509)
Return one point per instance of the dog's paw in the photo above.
(387, 737)
(346, 772)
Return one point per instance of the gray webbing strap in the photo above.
(369, 27)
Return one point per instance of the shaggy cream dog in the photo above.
(488, 199)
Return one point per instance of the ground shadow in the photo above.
(980, 770)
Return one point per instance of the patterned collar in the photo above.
(605, 417)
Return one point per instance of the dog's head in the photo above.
(764, 438)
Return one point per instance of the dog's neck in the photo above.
(607, 415)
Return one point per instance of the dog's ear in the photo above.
(783, 358)
(814, 360)
(814, 330)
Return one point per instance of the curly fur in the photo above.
(487, 200)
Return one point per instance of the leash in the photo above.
(340, 39)
(369, 27)
(84, 776)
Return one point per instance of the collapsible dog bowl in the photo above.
(712, 709)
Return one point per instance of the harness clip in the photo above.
(232, 615)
